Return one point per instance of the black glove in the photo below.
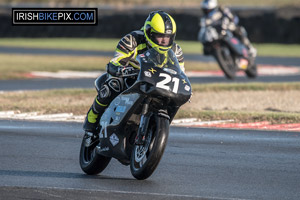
(126, 71)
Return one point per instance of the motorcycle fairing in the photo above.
(236, 46)
(168, 81)
(113, 122)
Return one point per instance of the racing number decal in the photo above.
(164, 83)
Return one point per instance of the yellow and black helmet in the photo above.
(159, 23)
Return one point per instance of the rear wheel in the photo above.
(145, 158)
(226, 61)
(90, 161)
(251, 71)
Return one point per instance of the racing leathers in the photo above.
(228, 21)
(109, 85)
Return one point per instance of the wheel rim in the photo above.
(228, 59)
(141, 152)
(89, 149)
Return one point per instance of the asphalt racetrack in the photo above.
(39, 160)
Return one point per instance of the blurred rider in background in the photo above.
(158, 32)
(212, 13)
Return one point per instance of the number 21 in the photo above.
(163, 84)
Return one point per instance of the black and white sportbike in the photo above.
(134, 128)
(231, 54)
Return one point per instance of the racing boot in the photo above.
(252, 50)
(93, 117)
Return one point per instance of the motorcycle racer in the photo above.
(158, 32)
(214, 13)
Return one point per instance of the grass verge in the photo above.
(13, 66)
(78, 101)
(109, 44)
(242, 116)
(217, 87)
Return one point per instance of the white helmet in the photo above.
(209, 4)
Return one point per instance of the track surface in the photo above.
(39, 160)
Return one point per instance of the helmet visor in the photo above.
(160, 39)
(207, 11)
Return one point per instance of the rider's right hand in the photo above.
(125, 71)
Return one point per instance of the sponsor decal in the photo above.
(117, 100)
(234, 41)
(127, 100)
(184, 81)
(245, 53)
(102, 149)
(121, 109)
(187, 88)
(152, 70)
(54, 16)
(117, 119)
(114, 140)
(148, 74)
(171, 71)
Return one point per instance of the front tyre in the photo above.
(145, 158)
(90, 161)
(226, 61)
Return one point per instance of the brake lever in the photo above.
(129, 72)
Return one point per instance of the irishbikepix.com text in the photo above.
(54, 16)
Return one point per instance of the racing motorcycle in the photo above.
(134, 128)
(231, 54)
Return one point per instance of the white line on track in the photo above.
(69, 117)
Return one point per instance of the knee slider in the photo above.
(115, 85)
(104, 91)
(100, 81)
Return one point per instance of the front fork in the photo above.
(143, 127)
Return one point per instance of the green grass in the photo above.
(62, 43)
(15, 65)
(78, 101)
(241, 116)
(246, 87)
(109, 44)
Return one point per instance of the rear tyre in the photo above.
(251, 72)
(90, 161)
(145, 158)
(226, 61)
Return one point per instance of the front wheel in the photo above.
(90, 161)
(145, 158)
(226, 61)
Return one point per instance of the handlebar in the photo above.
(127, 72)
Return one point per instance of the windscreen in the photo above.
(159, 60)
